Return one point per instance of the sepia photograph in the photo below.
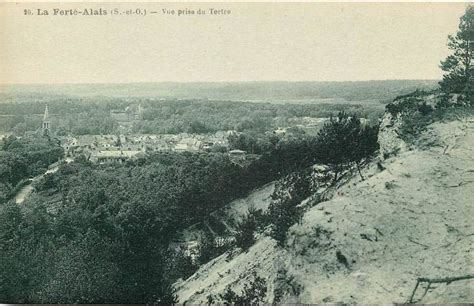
(236, 153)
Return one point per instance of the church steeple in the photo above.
(46, 122)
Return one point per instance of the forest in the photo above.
(25, 158)
(83, 116)
(96, 233)
(192, 107)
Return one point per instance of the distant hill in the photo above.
(275, 92)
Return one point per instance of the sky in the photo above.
(255, 42)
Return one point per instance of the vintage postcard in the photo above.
(236, 152)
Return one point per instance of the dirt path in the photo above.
(28, 189)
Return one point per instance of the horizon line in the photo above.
(218, 82)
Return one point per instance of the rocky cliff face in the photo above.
(389, 136)
(374, 238)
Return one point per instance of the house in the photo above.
(188, 144)
(115, 155)
(68, 143)
(207, 145)
(280, 131)
(181, 147)
(237, 154)
(4, 136)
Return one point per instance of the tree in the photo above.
(207, 248)
(335, 140)
(345, 140)
(197, 127)
(180, 264)
(168, 295)
(246, 228)
(284, 211)
(365, 144)
(458, 66)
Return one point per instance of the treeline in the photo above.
(236, 91)
(23, 158)
(80, 116)
(100, 233)
(209, 117)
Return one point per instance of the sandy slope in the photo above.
(413, 219)
(228, 216)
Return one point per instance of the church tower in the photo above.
(46, 123)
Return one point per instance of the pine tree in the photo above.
(459, 76)
(245, 236)
(344, 141)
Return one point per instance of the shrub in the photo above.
(413, 124)
(181, 264)
(207, 248)
(425, 109)
(246, 228)
(413, 102)
(168, 296)
(284, 213)
(285, 209)
(253, 293)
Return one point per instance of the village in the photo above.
(105, 148)
(124, 145)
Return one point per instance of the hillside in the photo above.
(223, 221)
(412, 219)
